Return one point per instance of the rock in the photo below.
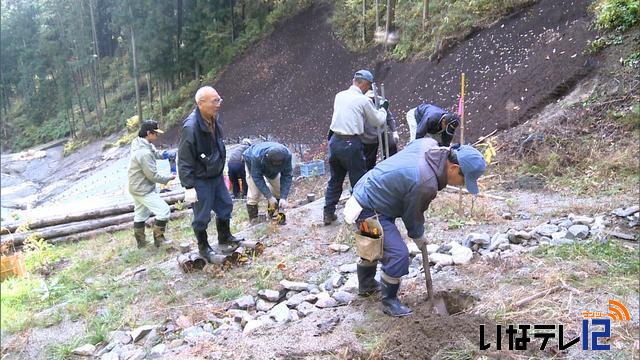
(432, 248)
(280, 313)
(296, 300)
(578, 231)
(504, 246)
(343, 297)
(461, 255)
(517, 248)
(221, 330)
(305, 308)
(266, 319)
(498, 239)
(339, 247)
(559, 235)
(176, 343)
(560, 241)
(152, 338)
(293, 285)
(624, 212)
(157, 351)
(242, 317)
(141, 332)
(270, 295)
(524, 216)
(546, 229)
(337, 280)
(479, 238)
(252, 326)
(110, 356)
(245, 302)
(121, 337)
(507, 216)
(207, 327)
(134, 354)
(184, 321)
(444, 249)
(84, 350)
(294, 315)
(351, 285)
(291, 294)
(192, 333)
(581, 220)
(106, 349)
(348, 268)
(441, 259)
(262, 305)
(326, 301)
(564, 224)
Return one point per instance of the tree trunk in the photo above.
(197, 70)
(425, 13)
(377, 15)
(233, 22)
(364, 22)
(96, 50)
(161, 102)
(135, 64)
(84, 119)
(149, 90)
(169, 198)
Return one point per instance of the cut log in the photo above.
(170, 198)
(68, 229)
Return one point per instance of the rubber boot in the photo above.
(158, 233)
(328, 218)
(252, 210)
(138, 233)
(367, 283)
(203, 245)
(390, 303)
(227, 243)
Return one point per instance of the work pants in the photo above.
(236, 175)
(346, 156)
(145, 205)
(212, 195)
(253, 193)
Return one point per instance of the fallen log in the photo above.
(455, 189)
(68, 229)
(170, 198)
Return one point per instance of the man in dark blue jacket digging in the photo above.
(270, 174)
(403, 186)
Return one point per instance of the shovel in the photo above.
(435, 301)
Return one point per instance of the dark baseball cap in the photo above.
(276, 155)
(364, 74)
(472, 165)
(150, 125)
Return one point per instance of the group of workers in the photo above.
(400, 186)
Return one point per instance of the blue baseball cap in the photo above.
(364, 74)
(472, 165)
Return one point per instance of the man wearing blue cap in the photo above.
(403, 186)
(351, 109)
(270, 174)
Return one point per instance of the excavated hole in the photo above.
(457, 301)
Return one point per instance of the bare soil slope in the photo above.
(285, 85)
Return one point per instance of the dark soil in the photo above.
(285, 85)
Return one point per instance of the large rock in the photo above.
(294, 285)
(306, 308)
(348, 268)
(252, 326)
(141, 332)
(582, 220)
(461, 255)
(84, 350)
(498, 239)
(280, 313)
(441, 259)
(482, 239)
(121, 337)
(578, 232)
(326, 301)
(432, 248)
(245, 302)
(343, 297)
(624, 212)
(297, 299)
(546, 229)
(351, 285)
(263, 305)
(157, 351)
(270, 295)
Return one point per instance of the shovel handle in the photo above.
(427, 272)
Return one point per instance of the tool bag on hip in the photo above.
(370, 239)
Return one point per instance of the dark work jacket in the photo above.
(200, 154)
(428, 122)
(258, 168)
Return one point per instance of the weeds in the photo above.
(617, 259)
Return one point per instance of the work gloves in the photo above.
(384, 103)
(282, 204)
(396, 137)
(169, 154)
(190, 196)
(453, 121)
(273, 202)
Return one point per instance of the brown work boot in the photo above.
(329, 218)
(138, 233)
(158, 233)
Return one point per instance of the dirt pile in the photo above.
(285, 85)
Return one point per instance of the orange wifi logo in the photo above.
(618, 311)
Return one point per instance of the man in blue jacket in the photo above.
(270, 174)
(403, 186)
(201, 158)
(427, 120)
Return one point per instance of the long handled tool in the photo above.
(436, 301)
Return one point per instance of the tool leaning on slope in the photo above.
(403, 186)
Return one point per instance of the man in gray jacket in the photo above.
(403, 186)
(143, 176)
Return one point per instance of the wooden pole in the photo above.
(364, 24)
(460, 209)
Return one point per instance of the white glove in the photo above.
(190, 196)
(283, 204)
(273, 202)
(396, 137)
(351, 210)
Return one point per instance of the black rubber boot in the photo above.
(390, 303)
(138, 233)
(203, 245)
(367, 284)
(227, 243)
(252, 210)
(158, 233)
(328, 218)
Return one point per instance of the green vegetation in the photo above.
(68, 68)
(618, 15)
(616, 259)
(448, 22)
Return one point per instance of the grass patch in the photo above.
(223, 294)
(63, 351)
(617, 259)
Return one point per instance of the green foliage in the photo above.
(617, 259)
(73, 145)
(618, 15)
